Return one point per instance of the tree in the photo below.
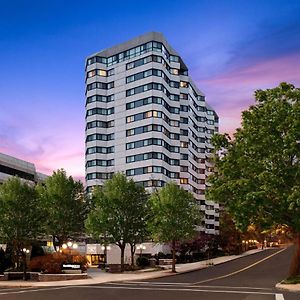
(258, 175)
(174, 215)
(21, 217)
(66, 206)
(119, 212)
(230, 236)
(139, 232)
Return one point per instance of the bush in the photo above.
(5, 261)
(131, 268)
(187, 258)
(52, 263)
(142, 261)
(2, 261)
(36, 250)
(198, 256)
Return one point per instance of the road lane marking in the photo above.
(175, 289)
(149, 282)
(13, 288)
(279, 297)
(235, 287)
(187, 284)
(241, 270)
(36, 290)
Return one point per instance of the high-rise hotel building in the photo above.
(145, 117)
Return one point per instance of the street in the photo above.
(249, 278)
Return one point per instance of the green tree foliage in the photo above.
(230, 237)
(258, 174)
(66, 206)
(119, 212)
(174, 216)
(21, 216)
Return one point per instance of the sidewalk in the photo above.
(98, 276)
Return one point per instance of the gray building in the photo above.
(11, 166)
(146, 117)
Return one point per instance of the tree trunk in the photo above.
(173, 257)
(53, 242)
(122, 257)
(295, 264)
(17, 252)
(132, 251)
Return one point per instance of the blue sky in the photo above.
(231, 48)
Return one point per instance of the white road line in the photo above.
(175, 289)
(187, 284)
(149, 282)
(14, 288)
(36, 290)
(241, 270)
(279, 297)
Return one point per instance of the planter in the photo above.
(114, 268)
(35, 276)
(61, 277)
(19, 276)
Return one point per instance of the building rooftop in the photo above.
(12, 166)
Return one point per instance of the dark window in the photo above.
(15, 172)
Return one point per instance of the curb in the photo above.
(294, 288)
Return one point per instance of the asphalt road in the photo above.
(248, 278)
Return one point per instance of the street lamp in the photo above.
(69, 245)
(141, 247)
(25, 252)
(104, 248)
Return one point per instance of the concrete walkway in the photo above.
(98, 276)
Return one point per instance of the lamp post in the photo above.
(243, 245)
(25, 251)
(104, 248)
(141, 247)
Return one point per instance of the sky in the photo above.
(231, 48)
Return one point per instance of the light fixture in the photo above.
(75, 246)
(141, 247)
(69, 244)
(107, 247)
(64, 246)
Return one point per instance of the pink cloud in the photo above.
(231, 93)
(48, 153)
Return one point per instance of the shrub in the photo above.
(142, 261)
(2, 261)
(5, 260)
(36, 250)
(52, 263)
